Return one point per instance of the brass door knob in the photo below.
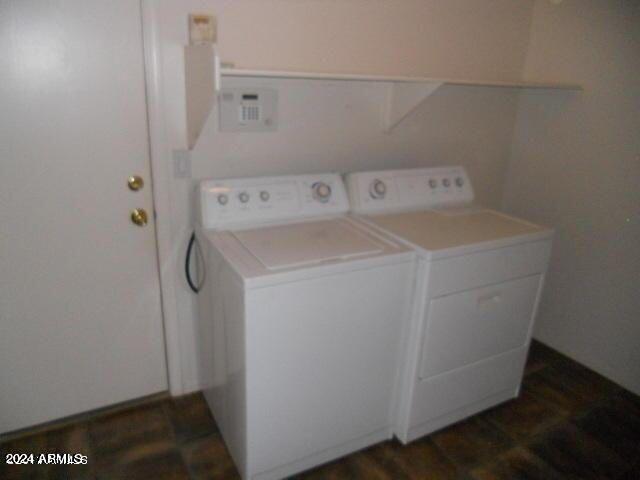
(135, 182)
(139, 217)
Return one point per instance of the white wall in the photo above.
(336, 126)
(576, 166)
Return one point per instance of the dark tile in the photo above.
(552, 387)
(337, 470)
(516, 464)
(208, 458)
(24, 444)
(422, 459)
(524, 417)
(632, 474)
(576, 454)
(130, 436)
(540, 356)
(190, 417)
(567, 383)
(162, 465)
(615, 426)
(178, 439)
(72, 439)
(377, 461)
(22, 472)
(627, 401)
(30, 444)
(471, 442)
(584, 378)
(366, 465)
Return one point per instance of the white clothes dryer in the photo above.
(478, 282)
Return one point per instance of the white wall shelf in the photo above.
(405, 93)
(234, 72)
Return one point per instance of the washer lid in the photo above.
(306, 243)
(454, 227)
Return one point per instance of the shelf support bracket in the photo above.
(403, 98)
(202, 84)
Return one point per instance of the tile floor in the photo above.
(568, 423)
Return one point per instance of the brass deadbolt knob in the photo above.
(139, 217)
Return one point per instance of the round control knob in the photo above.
(459, 181)
(264, 196)
(243, 197)
(378, 189)
(223, 199)
(446, 182)
(433, 183)
(321, 192)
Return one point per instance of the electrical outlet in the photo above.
(181, 164)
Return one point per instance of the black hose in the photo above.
(187, 262)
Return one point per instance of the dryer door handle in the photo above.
(490, 298)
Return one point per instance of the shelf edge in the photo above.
(232, 72)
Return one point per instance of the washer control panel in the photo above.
(390, 190)
(239, 201)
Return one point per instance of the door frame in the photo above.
(161, 176)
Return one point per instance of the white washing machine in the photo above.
(300, 321)
(478, 282)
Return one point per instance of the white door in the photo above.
(80, 318)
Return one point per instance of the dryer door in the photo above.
(465, 327)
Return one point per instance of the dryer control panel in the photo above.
(395, 190)
(239, 201)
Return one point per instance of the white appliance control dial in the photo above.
(264, 196)
(446, 182)
(243, 197)
(378, 189)
(321, 192)
(459, 181)
(223, 199)
(433, 183)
